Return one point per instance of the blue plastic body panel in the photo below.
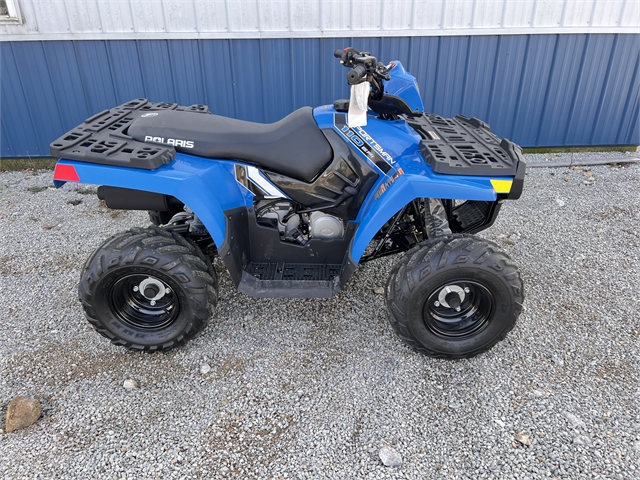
(406, 178)
(403, 85)
(208, 187)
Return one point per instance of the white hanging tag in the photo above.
(358, 105)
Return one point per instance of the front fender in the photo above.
(383, 205)
(207, 187)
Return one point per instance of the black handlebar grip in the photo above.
(338, 53)
(355, 75)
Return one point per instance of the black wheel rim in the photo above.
(468, 313)
(144, 301)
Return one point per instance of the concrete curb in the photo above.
(586, 163)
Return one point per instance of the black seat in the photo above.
(293, 146)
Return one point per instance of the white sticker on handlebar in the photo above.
(358, 104)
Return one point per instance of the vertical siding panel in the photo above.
(179, 16)
(562, 83)
(625, 129)
(96, 75)
(39, 96)
(219, 80)
(588, 91)
(64, 72)
(273, 15)
(126, 70)
(212, 16)
(186, 68)
(534, 86)
(115, 16)
(148, 16)
(156, 71)
(305, 16)
(19, 134)
(625, 52)
(508, 66)
(248, 80)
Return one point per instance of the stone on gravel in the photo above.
(557, 360)
(389, 457)
(523, 439)
(130, 384)
(575, 421)
(582, 440)
(378, 290)
(205, 368)
(22, 412)
(560, 202)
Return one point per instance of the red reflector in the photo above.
(66, 173)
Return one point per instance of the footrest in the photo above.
(290, 280)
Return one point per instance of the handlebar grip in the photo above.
(355, 75)
(338, 53)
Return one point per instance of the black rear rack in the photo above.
(103, 138)
(464, 146)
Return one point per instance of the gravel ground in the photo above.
(315, 388)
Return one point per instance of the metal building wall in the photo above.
(205, 19)
(538, 90)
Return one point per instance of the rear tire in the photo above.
(454, 296)
(148, 289)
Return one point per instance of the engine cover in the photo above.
(325, 226)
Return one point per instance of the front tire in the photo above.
(148, 289)
(454, 296)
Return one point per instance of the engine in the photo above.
(298, 227)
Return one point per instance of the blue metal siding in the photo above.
(538, 90)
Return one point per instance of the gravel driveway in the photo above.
(315, 388)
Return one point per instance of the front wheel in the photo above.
(454, 296)
(148, 289)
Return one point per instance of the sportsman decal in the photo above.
(363, 142)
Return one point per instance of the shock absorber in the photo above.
(435, 218)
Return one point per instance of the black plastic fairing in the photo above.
(347, 169)
(390, 105)
(258, 260)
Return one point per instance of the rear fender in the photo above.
(207, 187)
(387, 199)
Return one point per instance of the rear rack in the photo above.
(103, 138)
(464, 146)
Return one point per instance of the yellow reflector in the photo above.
(502, 186)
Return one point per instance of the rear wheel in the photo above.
(148, 289)
(454, 296)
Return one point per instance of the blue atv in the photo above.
(293, 208)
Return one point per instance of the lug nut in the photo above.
(167, 290)
(437, 303)
(457, 309)
(135, 288)
(466, 290)
(152, 302)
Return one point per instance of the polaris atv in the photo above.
(293, 208)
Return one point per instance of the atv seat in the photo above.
(293, 146)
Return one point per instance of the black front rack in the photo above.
(464, 146)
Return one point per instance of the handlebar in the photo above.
(356, 75)
(364, 66)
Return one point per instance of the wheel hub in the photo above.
(152, 289)
(459, 309)
(451, 296)
(144, 301)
